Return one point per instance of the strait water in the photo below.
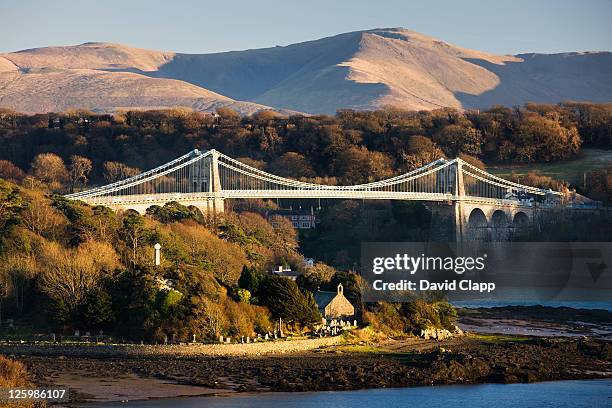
(575, 304)
(575, 394)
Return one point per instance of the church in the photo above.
(333, 305)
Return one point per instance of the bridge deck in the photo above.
(196, 198)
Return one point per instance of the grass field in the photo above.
(571, 171)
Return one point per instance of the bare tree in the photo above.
(115, 171)
(210, 320)
(40, 217)
(68, 274)
(9, 171)
(50, 169)
(80, 167)
(16, 272)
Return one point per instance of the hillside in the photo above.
(360, 70)
(52, 90)
(101, 77)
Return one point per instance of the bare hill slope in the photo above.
(370, 69)
(361, 70)
(102, 77)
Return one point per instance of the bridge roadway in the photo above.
(202, 198)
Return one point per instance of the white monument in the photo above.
(157, 254)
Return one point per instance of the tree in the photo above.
(17, 270)
(68, 275)
(243, 295)
(10, 172)
(96, 311)
(359, 165)
(80, 167)
(545, 139)
(50, 169)
(11, 207)
(228, 116)
(133, 233)
(209, 321)
(283, 238)
(316, 276)
(203, 248)
(285, 299)
(40, 217)
(421, 151)
(292, 164)
(455, 139)
(599, 184)
(114, 171)
(171, 212)
(250, 279)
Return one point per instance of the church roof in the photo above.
(323, 298)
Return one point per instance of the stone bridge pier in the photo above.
(472, 221)
(480, 222)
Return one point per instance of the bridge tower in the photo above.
(458, 210)
(215, 204)
(448, 217)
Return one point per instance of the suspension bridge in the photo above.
(206, 179)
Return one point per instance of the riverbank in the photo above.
(390, 363)
(579, 394)
(569, 344)
(539, 321)
(95, 350)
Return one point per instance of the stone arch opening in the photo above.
(520, 224)
(477, 219)
(500, 224)
(499, 219)
(477, 226)
(521, 219)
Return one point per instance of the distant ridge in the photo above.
(359, 70)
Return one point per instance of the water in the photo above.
(575, 304)
(575, 394)
(574, 298)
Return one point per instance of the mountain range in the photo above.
(359, 70)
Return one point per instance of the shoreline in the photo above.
(100, 350)
(360, 360)
(473, 359)
(290, 394)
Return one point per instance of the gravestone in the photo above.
(220, 339)
(228, 340)
(77, 333)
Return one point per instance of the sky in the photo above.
(200, 26)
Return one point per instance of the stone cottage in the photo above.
(333, 305)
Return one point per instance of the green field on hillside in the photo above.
(571, 171)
